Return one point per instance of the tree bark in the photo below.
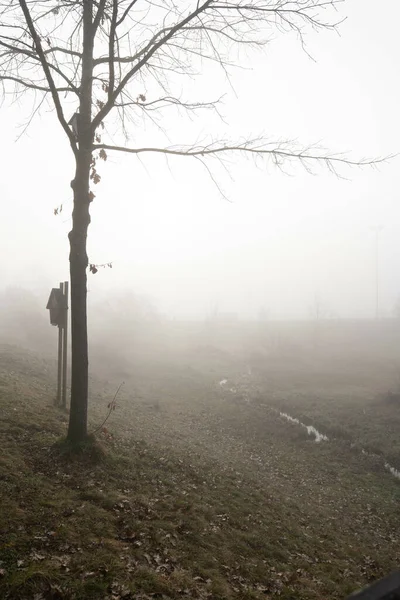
(77, 430)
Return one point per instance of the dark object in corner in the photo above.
(387, 588)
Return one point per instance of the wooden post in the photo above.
(59, 364)
(58, 307)
(65, 346)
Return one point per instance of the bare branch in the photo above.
(146, 47)
(152, 47)
(67, 51)
(279, 152)
(33, 86)
(28, 53)
(31, 118)
(161, 103)
(111, 47)
(46, 69)
(223, 19)
(126, 12)
(99, 16)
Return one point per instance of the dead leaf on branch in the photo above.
(95, 177)
(94, 268)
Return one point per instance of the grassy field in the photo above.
(200, 489)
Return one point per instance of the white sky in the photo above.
(282, 238)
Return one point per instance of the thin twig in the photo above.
(111, 407)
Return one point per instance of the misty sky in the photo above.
(281, 238)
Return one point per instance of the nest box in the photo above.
(74, 123)
(56, 306)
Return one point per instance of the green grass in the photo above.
(200, 497)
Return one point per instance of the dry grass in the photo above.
(199, 493)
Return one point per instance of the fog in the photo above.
(278, 242)
(236, 431)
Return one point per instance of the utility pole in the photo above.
(377, 229)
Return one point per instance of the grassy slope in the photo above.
(343, 399)
(197, 495)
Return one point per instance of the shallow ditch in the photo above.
(246, 387)
(311, 430)
(319, 437)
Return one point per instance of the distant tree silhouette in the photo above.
(92, 54)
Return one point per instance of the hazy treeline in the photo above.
(126, 327)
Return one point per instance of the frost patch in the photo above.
(319, 437)
(289, 418)
(392, 470)
(223, 383)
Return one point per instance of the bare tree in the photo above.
(87, 57)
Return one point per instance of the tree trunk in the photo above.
(77, 430)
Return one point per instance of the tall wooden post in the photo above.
(59, 363)
(65, 346)
(58, 306)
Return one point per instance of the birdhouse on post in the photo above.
(58, 306)
(55, 305)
